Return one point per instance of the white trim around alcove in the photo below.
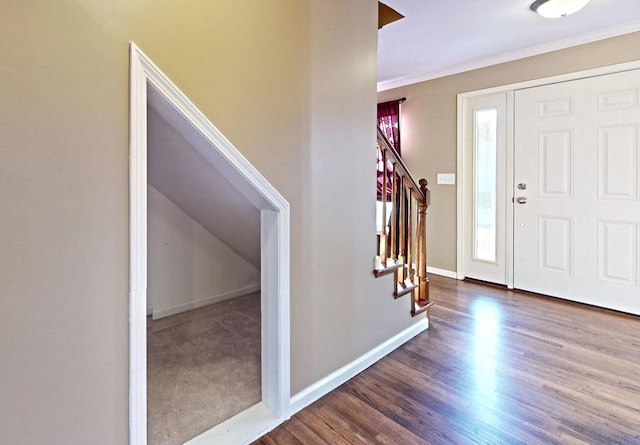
(275, 263)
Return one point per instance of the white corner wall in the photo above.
(188, 267)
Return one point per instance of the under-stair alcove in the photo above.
(206, 227)
(203, 289)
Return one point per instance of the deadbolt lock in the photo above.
(522, 186)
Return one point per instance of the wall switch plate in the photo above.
(446, 178)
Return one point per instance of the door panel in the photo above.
(617, 162)
(555, 244)
(577, 222)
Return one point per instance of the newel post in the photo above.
(423, 290)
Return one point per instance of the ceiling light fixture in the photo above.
(557, 8)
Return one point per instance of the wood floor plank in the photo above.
(496, 367)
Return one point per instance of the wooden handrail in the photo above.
(394, 157)
(403, 246)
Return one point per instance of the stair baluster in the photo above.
(402, 247)
(383, 231)
(394, 210)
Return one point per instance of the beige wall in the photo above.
(429, 123)
(339, 310)
(186, 264)
(291, 83)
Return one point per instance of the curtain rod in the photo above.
(397, 100)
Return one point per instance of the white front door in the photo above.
(577, 190)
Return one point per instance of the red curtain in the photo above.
(389, 122)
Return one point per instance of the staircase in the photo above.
(402, 248)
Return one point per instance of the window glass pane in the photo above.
(486, 128)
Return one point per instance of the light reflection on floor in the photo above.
(486, 358)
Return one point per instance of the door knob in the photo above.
(521, 200)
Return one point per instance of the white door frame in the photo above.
(462, 107)
(275, 263)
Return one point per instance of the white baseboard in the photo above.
(195, 304)
(337, 378)
(442, 272)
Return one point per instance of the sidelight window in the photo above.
(485, 184)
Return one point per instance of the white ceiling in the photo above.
(442, 37)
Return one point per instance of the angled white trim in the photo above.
(322, 387)
(606, 33)
(249, 181)
(275, 247)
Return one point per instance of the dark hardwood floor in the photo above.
(496, 367)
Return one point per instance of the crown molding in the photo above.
(581, 39)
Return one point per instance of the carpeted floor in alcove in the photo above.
(203, 367)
